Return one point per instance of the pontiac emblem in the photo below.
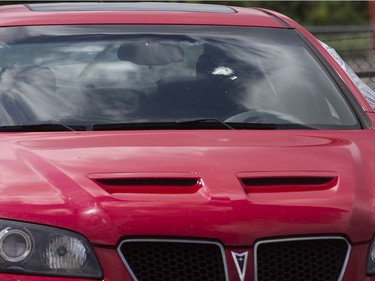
(240, 260)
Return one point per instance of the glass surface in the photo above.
(160, 75)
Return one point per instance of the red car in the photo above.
(170, 141)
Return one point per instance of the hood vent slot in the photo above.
(287, 184)
(150, 185)
(150, 182)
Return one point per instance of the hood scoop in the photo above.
(126, 183)
(291, 182)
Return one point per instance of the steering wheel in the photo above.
(263, 116)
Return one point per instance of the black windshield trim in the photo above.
(47, 127)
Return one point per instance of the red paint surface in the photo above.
(19, 15)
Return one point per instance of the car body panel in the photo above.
(58, 167)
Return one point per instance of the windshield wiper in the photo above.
(188, 124)
(204, 120)
(243, 125)
(193, 124)
(43, 127)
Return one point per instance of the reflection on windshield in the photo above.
(85, 75)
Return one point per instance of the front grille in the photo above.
(317, 259)
(173, 260)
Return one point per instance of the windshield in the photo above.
(96, 75)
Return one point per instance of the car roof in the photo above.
(135, 13)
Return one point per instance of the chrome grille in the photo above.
(307, 259)
(171, 260)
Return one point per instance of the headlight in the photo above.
(15, 244)
(35, 249)
(370, 269)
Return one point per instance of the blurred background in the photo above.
(347, 26)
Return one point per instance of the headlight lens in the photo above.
(35, 249)
(370, 269)
(15, 244)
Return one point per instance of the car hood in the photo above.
(233, 186)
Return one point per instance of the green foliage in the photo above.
(321, 12)
(314, 12)
(311, 12)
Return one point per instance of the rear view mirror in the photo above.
(155, 53)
